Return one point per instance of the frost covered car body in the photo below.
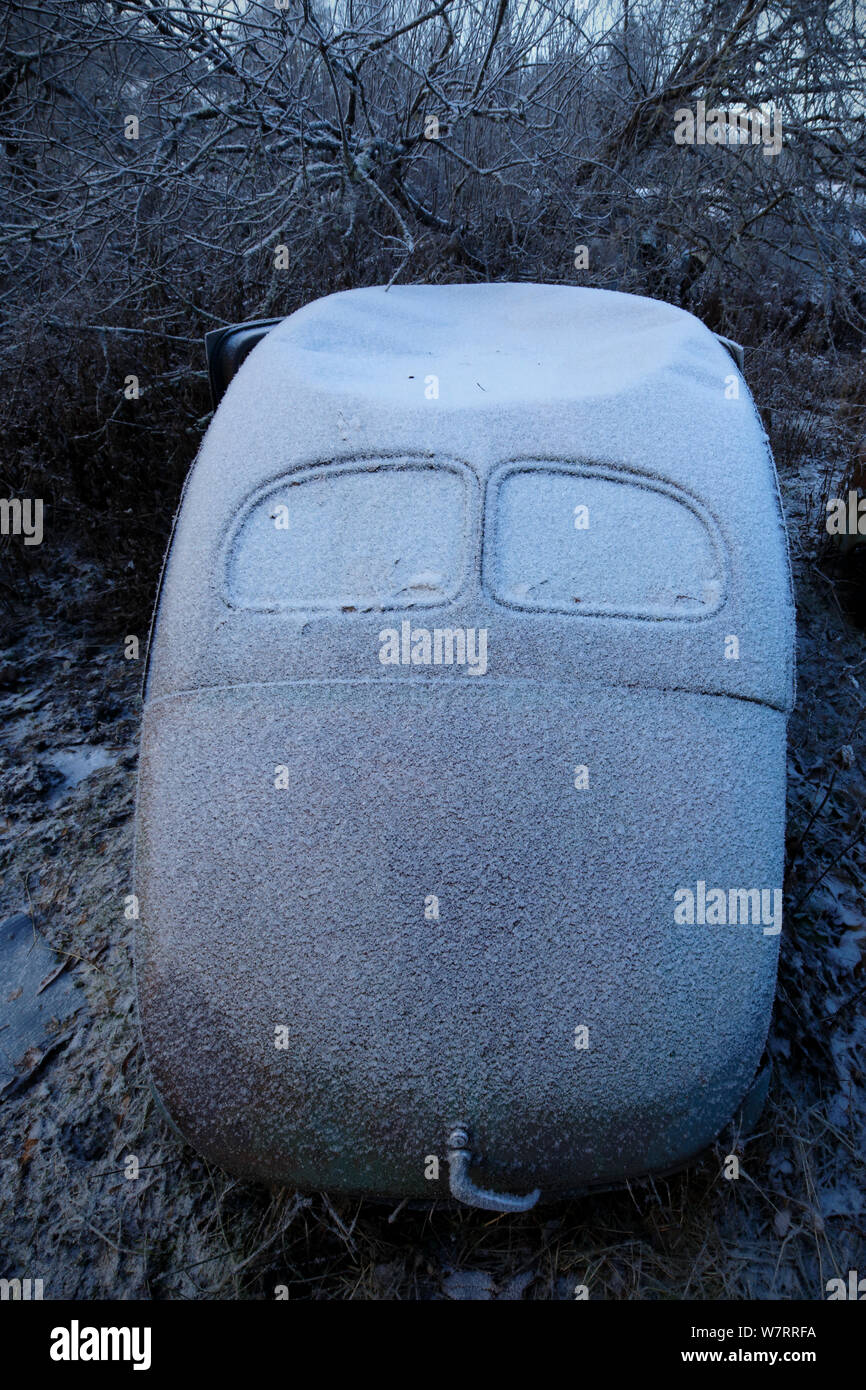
(472, 662)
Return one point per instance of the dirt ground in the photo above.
(74, 1098)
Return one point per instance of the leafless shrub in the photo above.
(157, 154)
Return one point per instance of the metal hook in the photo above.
(464, 1189)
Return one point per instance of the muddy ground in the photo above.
(74, 1098)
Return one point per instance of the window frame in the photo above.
(404, 461)
(608, 473)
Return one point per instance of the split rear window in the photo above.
(558, 538)
(590, 540)
(386, 535)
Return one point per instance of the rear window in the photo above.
(591, 540)
(371, 536)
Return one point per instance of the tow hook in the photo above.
(464, 1189)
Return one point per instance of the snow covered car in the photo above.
(461, 803)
